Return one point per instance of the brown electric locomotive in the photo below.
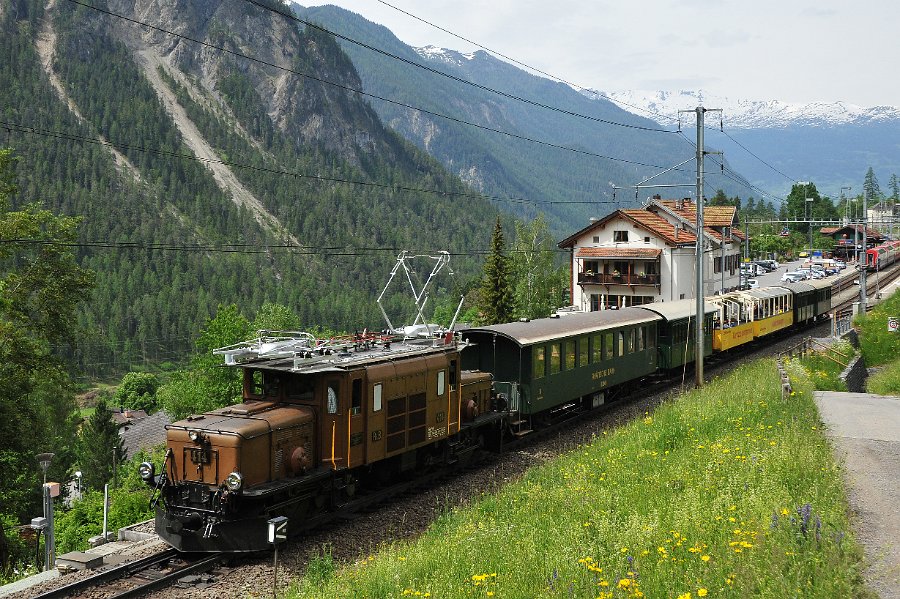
(319, 420)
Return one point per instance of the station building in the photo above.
(639, 256)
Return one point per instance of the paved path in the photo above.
(865, 430)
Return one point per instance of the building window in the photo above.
(596, 239)
(646, 240)
(595, 302)
(620, 236)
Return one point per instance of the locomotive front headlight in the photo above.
(234, 481)
(147, 471)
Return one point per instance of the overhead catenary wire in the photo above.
(371, 95)
(575, 85)
(392, 187)
(453, 77)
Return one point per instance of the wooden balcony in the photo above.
(589, 278)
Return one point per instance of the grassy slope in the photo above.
(729, 491)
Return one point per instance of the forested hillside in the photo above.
(204, 177)
(569, 186)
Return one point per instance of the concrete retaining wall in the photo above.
(854, 375)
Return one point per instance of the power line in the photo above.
(523, 64)
(291, 249)
(368, 94)
(172, 154)
(452, 77)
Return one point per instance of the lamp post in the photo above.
(78, 482)
(846, 203)
(806, 201)
(49, 491)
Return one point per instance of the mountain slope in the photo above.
(502, 165)
(216, 162)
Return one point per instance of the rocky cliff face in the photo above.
(286, 66)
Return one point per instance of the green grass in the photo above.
(887, 381)
(729, 491)
(878, 346)
(824, 367)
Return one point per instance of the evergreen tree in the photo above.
(496, 301)
(99, 446)
(894, 186)
(870, 186)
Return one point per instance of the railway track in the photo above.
(136, 578)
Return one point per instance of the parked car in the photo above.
(793, 277)
(752, 284)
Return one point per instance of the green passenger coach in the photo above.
(567, 361)
(678, 333)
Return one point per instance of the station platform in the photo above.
(865, 431)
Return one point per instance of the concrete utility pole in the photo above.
(700, 313)
(864, 262)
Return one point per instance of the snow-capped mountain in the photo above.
(747, 114)
(444, 55)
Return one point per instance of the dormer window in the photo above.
(620, 236)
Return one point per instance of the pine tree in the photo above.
(894, 186)
(870, 185)
(99, 445)
(496, 302)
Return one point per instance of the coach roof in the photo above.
(547, 329)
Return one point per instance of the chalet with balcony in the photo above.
(639, 256)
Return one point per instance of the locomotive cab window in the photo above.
(376, 397)
(454, 374)
(331, 399)
(253, 383)
(441, 376)
(356, 397)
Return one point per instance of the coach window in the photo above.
(554, 358)
(596, 349)
(540, 363)
(620, 347)
(570, 354)
(641, 331)
(376, 397)
(608, 346)
(629, 336)
(356, 397)
(583, 351)
(440, 383)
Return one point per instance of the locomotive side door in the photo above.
(334, 423)
(356, 433)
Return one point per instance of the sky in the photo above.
(789, 50)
